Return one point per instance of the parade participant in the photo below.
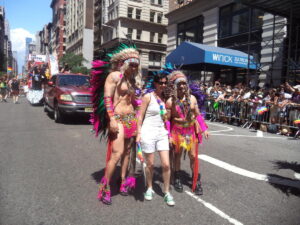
(115, 85)
(187, 126)
(15, 89)
(153, 136)
(3, 89)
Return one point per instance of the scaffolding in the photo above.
(289, 9)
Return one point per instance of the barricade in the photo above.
(254, 114)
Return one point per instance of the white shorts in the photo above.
(152, 142)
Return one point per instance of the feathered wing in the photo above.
(200, 96)
(99, 118)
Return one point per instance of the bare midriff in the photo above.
(122, 100)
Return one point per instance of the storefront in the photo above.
(250, 28)
(204, 58)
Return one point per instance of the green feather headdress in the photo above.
(123, 52)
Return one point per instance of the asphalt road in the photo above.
(49, 175)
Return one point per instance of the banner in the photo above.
(53, 65)
(37, 58)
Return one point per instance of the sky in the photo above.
(25, 17)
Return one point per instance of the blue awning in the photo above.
(189, 53)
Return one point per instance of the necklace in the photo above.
(162, 109)
(182, 109)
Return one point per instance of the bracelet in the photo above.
(108, 102)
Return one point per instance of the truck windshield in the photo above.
(73, 80)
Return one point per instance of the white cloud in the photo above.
(18, 37)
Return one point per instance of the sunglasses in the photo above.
(162, 83)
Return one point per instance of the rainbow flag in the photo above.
(262, 110)
(139, 152)
(9, 69)
(297, 121)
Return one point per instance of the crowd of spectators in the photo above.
(283, 104)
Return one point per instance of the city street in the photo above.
(49, 175)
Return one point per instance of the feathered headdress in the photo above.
(122, 53)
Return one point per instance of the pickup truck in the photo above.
(67, 94)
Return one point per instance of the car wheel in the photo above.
(45, 107)
(58, 117)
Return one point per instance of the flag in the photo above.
(9, 69)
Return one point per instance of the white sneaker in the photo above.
(169, 199)
(149, 194)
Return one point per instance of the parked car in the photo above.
(67, 94)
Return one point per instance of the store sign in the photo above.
(228, 60)
(37, 58)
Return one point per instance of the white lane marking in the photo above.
(215, 209)
(297, 176)
(259, 133)
(240, 135)
(219, 125)
(247, 173)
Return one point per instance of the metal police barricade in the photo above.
(249, 114)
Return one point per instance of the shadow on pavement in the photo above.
(279, 165)
(279, 181)
(287, 190)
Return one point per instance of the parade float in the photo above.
(40, 68)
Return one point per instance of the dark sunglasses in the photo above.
(162, 83)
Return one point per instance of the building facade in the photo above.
(2, 40)
(225, 23)
(15, 63)
(79, 29)
(140, 21)
(44, 39)
(58, 38)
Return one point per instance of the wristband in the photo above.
(108, 102)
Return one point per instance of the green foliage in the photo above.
(80, 69)
(74, 63)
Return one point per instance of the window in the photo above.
(152, 15)
(152, 34)
(130, 12)
(159, 17)
(191, 30)
(129, 33)
(155, 59)
(156, 2)
(138, 14)
(138, 34)
(117, 11)
(159, 40)
(236, 19)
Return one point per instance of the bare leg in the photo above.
(177, 160)
(149, 168)
(125, 157)
(192, 156)
(166, 172)
(117, 151)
